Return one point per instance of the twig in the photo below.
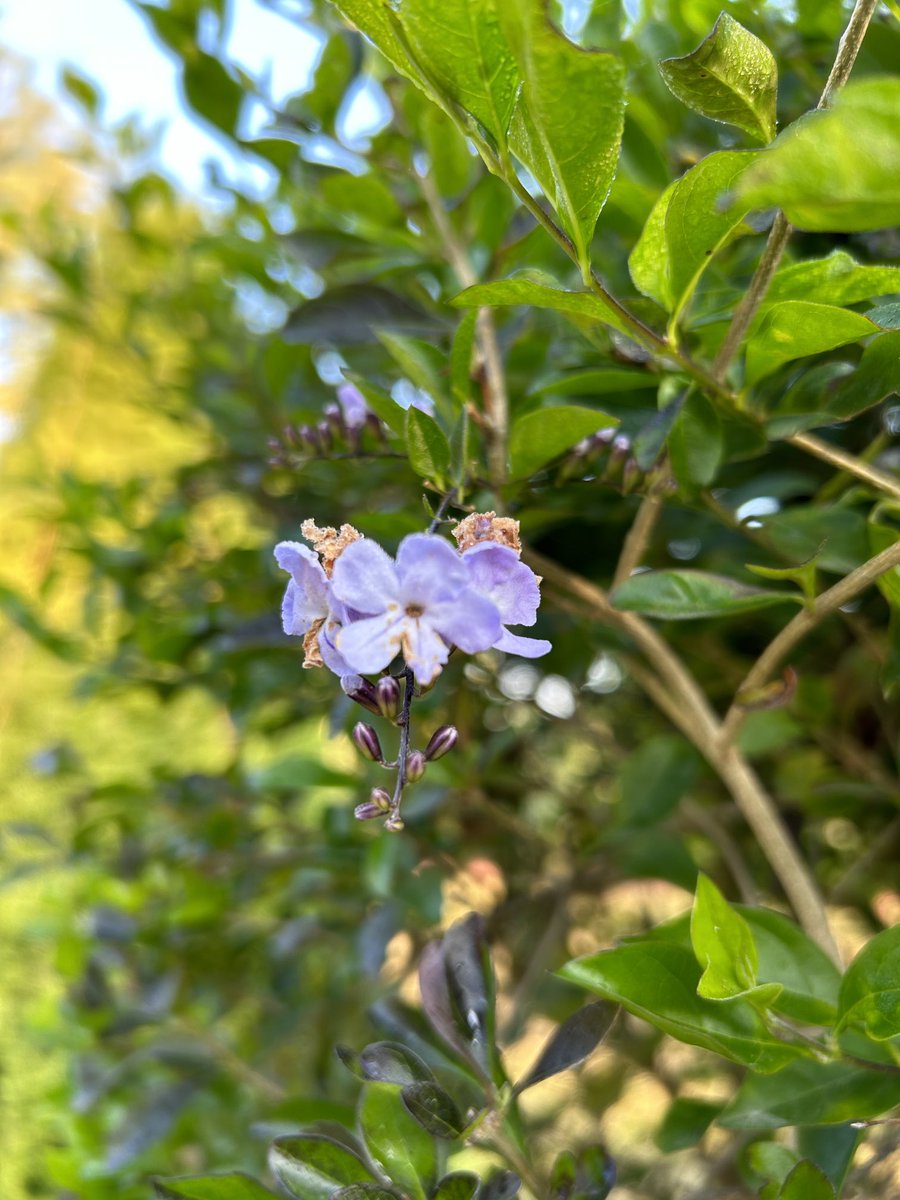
(800, 625)
(403, 753)
(847, 462)
(636, 539)
(441, 510)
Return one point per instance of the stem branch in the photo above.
(850, 463)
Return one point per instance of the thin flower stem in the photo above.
(847, 462)
(637, 538)
(805, 620)
(403, 753)
(677, 694)
(441, 510)
(848, 49)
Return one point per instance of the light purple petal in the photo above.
(469, 621)
(497, 573)
(353, 405)
(425, 651)
(527, 647)
(365, 578)
(331, 656)
(430, 570)
(370, 644)
(306, 597)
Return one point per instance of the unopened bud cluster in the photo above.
(608, 457)
(347, 428)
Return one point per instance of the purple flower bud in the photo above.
(273, 443)
(375, 427)
(394, 824)
(334, 418)
(381, 799)
(367, 811)
(632, 476)
(309, 437)
(361, 691)
(289, 433)
(387, 697)
(442, 741)
(367, 742)
(415, 765)
(323, 429)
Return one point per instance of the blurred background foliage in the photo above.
(190, 917)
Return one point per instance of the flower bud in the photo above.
(387, 697)
(289, 435)
(367, 742)
(309, 438)
(632, 476)
(323, 429)
(415, 765)
(442, 741)
(367, 811)
(382, 798)
(375, 427)
(360, 690)
(334, 418)
(394, 824)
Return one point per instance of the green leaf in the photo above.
(837, 279)
(688, 595)
(461, 47)
(601, 382)
(830, 1147)
(882, 537)
(798, 328)
(461, 354)
(363, 1191)
(421, 362)
(567, 126)
(376, 20)
(384, 406)
(870, 992)
(696, 443)
(572, 1042)
(211, 92)
(806, 1182)
(434, 1109)
(81, 90)
(427, 446)
(807, 1092)
(470, 983)
(876, 377)
(538, 437)
(396, 1143)
(232, 1185)
(835, 170)
(504, 292)
(458, 1185)
(685, 1123)
(654, 779)
(449, 159)
(390, 1062)
(687, 227)
(723, 945)
(657, 981)
(731, 77)
(312, 1166)
(786, 956)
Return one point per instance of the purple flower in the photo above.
(309, 609)
(496, 572)
(418, 606)
(353, 406)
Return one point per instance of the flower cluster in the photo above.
(357, 609)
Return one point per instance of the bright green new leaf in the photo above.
(688, 595)
(870, 992)
(837, 279)
(657, 981)
(876, 377)
(806, 1182)
(567, 126)
(426, 446)
(505, 292)
(538, 437)
(731, 77)
(231, 1186)
(397, 1143)
(798, 328)
(838, 169)
(312, 1166)
(377, 21)
(723, 945)
(808, 1092)
(461, 47)
(687, 227)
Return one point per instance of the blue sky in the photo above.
(110, 43)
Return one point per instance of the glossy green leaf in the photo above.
(688, 595)
(572, 1042)
(830, 1147)
(806, 1182)
(458, 1185)
(798, 328)
(396, 1143)
(687, 227)
(377, 22)
(837, 169)
(696, 443)
(685, 1123)
(470, 983)
(808, 1092)
(870, 992)
(837, 279)
(731, 77)
(658, 981)
(723, 945)
(521, 291)
(567, 126)
(654, 779)
(462, 48)
(876, 377)
(390, 1062)
(650, 440)
(426, 446)
(602, 382)
(312, 1166)
(232, 1185)
(434, 1109)
(540, 436)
